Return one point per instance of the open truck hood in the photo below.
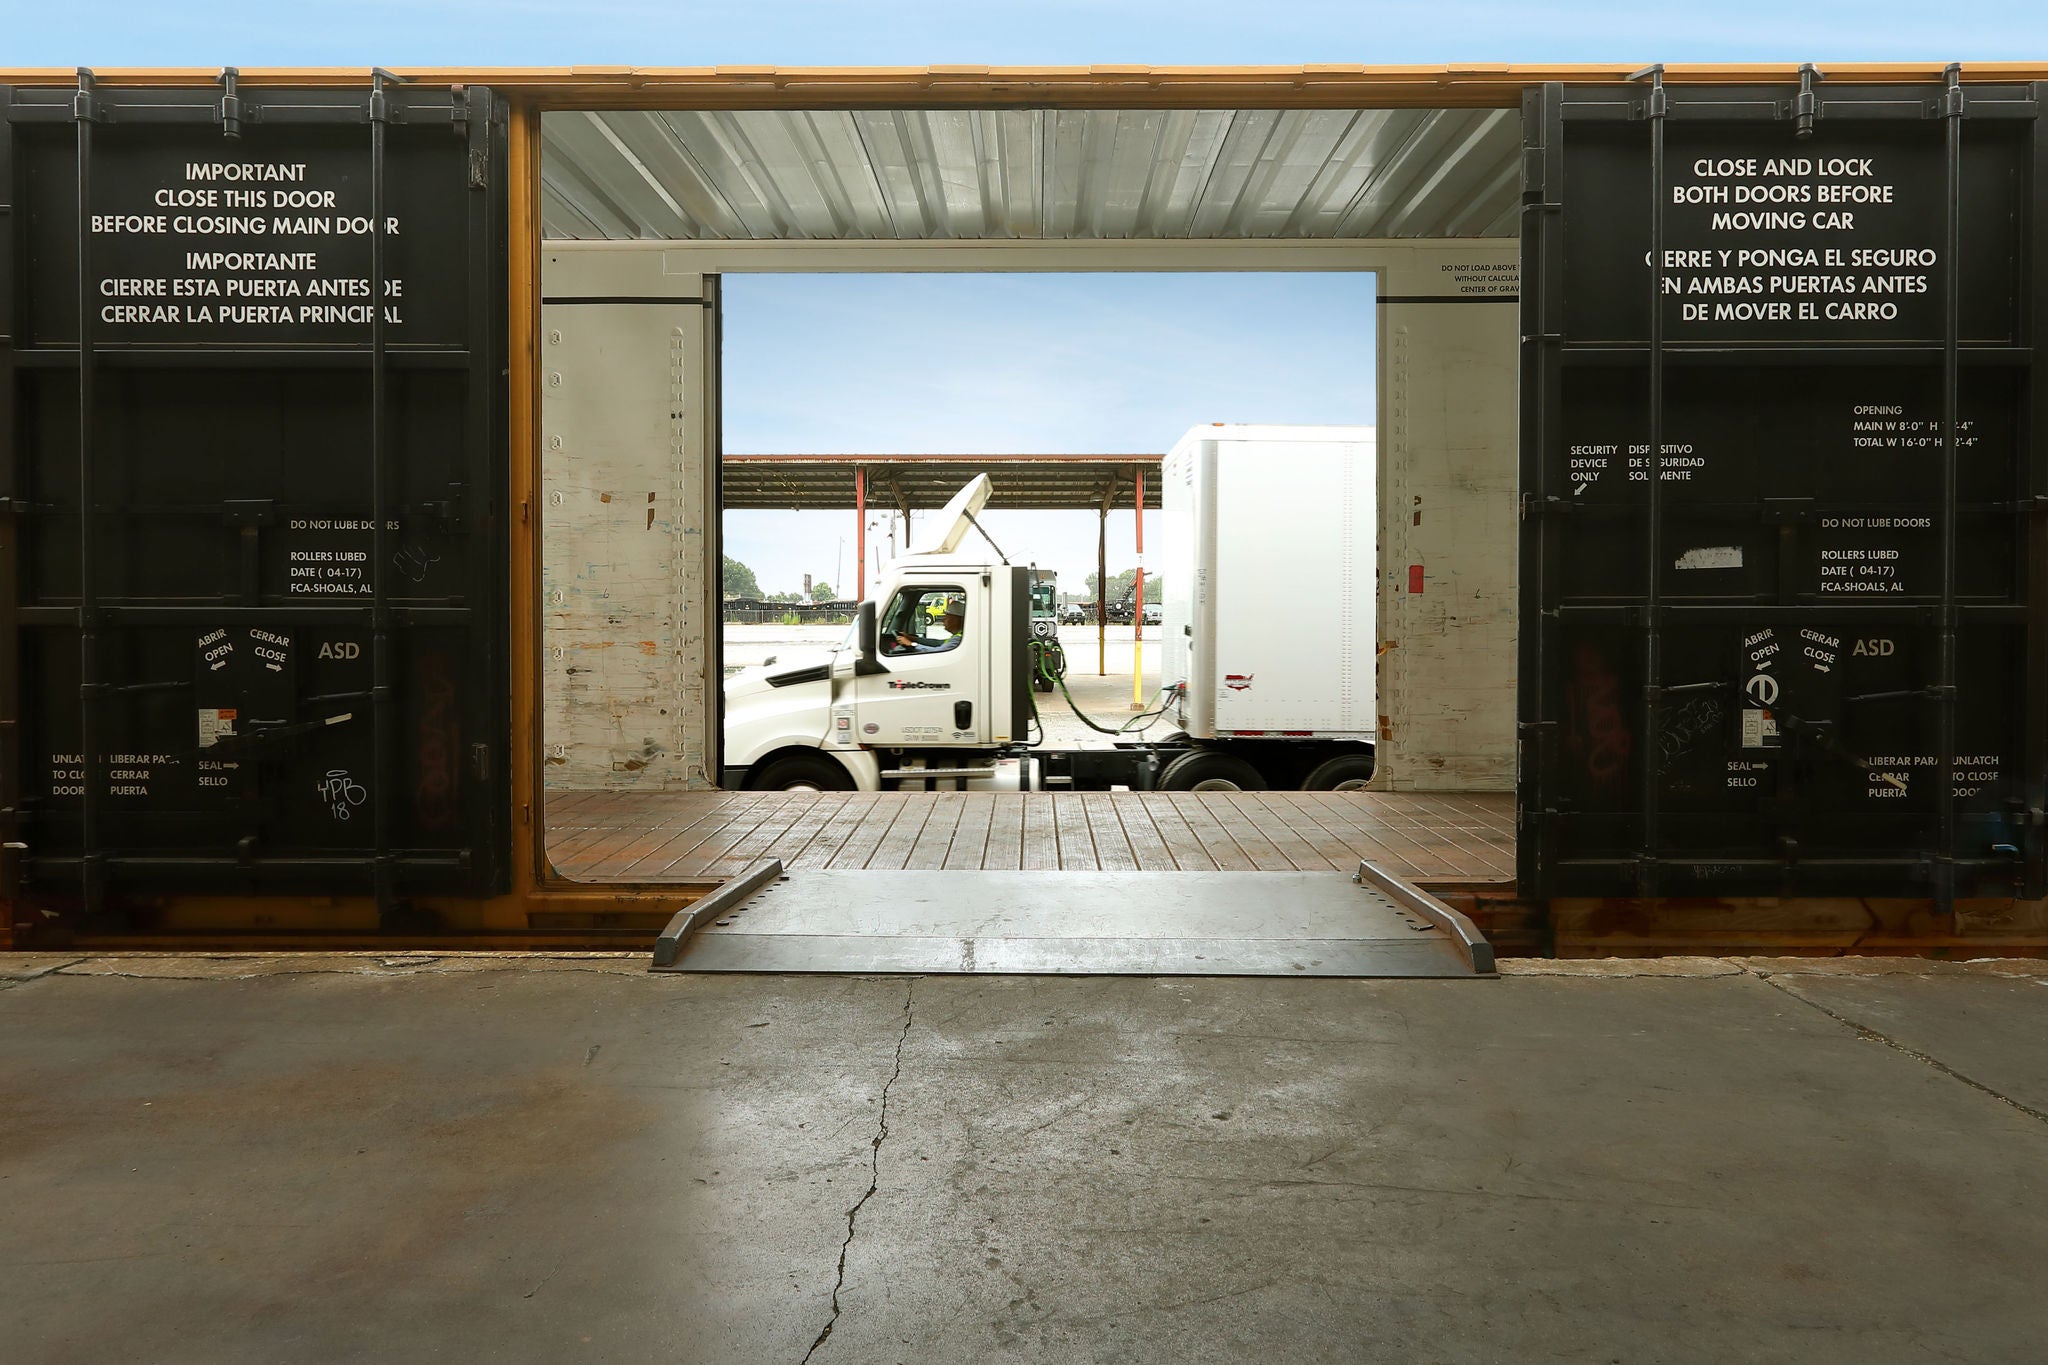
(954, 520)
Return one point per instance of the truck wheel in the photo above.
(802, 773)
(1344, 773)
(1206, 770)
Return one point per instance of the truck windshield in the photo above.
(924, 620)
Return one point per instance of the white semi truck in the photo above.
(1268, 646)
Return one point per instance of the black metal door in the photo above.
(252, 544)
(1783, 546)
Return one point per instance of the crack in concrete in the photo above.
(543, 1283)
(874, 1170)
(1870, 1034)
(24, 976)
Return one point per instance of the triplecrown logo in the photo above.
(900, 686)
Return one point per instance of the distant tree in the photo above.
(737, 580)
(821, 592)
(1118, 583)
(1120, 586)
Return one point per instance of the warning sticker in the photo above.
(215, 723)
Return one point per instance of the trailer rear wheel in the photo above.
(1206, 770)
(1344, 773)
(803, 773)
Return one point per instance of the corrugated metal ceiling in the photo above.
(1029, 173)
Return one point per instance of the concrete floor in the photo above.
(334, 1158)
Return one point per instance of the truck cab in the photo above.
(928, 679)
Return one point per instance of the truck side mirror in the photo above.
(869, 643)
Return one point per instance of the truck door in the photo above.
(932, 640)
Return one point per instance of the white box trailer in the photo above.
(1269, 559)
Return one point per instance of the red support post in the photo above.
(860, 535)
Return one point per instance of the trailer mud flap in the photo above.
(1082, 924)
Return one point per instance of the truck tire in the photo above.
(802, 773)
(1344, 773)
(1206, 770)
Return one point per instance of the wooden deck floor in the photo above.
(615, 836)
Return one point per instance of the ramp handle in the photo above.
(1472, 944)
(727, 896)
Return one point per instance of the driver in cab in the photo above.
(945, 637)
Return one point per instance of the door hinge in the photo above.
(230, 102)
(1951, 105)
(380, 100)
(1806, 104)
(85, 105)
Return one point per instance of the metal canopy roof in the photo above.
(911, 482)
(967, 174)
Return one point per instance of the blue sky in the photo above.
(920, 32)
(1016, 363)
(985, 363)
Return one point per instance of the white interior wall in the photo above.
(629, 525)
(1449, 433)
(635, 408)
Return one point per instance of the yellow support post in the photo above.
(1138, 605)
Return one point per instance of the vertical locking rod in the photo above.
(85, 112)
(1951, 339)
(382, 674)
(1653, 514)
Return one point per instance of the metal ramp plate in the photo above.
(1080, 923)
